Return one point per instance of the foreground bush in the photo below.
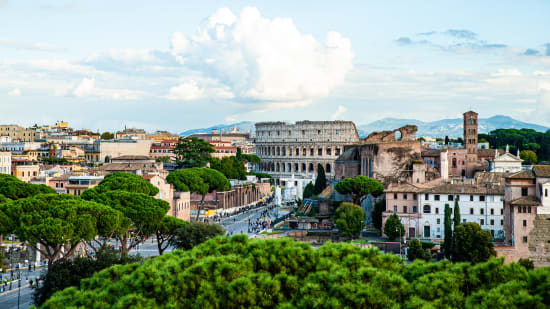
(279, 273)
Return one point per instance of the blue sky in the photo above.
(177, 65)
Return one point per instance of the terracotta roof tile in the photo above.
(526, 201)
(522, 175)
(542, 170)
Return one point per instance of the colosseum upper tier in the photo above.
(296, 149)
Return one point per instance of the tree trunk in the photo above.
(199, 208)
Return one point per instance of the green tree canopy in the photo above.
(359, 187)
(261, 175)
(529, 156)
(350, 219)
(230, 167)
(52, 222)
(193, 152)
(68, 273)
(13, 188)
(309, 191)
(251, 158)
(107, 135)
(417, 251)
(142, 212)
(166, 231)
(394, 228)
(195, 233)
(122, 181)
(199, 180)
(472, 244)
(239, 272)
(321, 180)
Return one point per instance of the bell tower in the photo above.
(470, 141)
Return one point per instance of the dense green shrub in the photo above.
(238, 272)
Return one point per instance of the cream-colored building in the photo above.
(506, 163)
(5, 163)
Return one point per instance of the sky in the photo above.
(177, 65)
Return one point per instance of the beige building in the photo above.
(25, 170)
(527, 216)
(297, 149)
(128, 147)
(223, 149)
(78, 184)
(180, 202)
(5, 163)
(131, 134)
(18, 133)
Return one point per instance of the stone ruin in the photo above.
(406, 133)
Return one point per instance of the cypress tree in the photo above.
(448, 240)
(456, 215)
(321, 181)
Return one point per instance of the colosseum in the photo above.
(296, 149)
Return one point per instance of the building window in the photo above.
(395, 196)
(427, 197)
(414, 196)
(492, 211)
(405, 209)
(438, 221)
(524, 239)
(502, 211)
(450, 198)
(546, 192)
(436, 197)
(437, 210)
(524, 191)
(519, 210)
(471, 211)
(492, 222)
(395, 208)
(481, 222)
(415, 210)
(427, 209)
(529, 209)
(458, 197)
(524, 222)
(404, 196)
(482, 198)
(481, 211)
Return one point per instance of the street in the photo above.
(9, 298)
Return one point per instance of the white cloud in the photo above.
(87, 88)
(14, 92)
(29, 46)
(339, 112)
(186, 91)
(262, 60)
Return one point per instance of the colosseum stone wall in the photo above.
(296, 149)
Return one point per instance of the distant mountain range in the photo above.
(439, 128)
(448, 127)
(243, 126)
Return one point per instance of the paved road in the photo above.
(9, 299)
(239, 224)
